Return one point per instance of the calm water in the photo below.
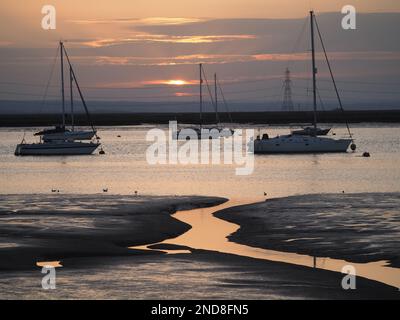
(124, 168)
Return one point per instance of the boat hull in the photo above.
(300, 144)
(56, 149)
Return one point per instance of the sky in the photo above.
(149, 50)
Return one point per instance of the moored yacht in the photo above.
(307, 140)
(300, 144)
(60, 140)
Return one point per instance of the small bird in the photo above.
(343, 191)
(136, 193)
(53, 190)
(265, 194)
(105, 190)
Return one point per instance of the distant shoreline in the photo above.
(270, 117)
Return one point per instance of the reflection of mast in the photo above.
(287, 104)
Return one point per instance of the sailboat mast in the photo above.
(201, 96)
(71, 79)
(62, 84)
(314, 70)
(80, 93)
(216, 98)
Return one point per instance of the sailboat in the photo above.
(306, 142)
(202, 132)
(60, 140)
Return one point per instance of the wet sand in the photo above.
(37, 228)
(90, 235)
(200, 275)
(217, 231)
(356, 227)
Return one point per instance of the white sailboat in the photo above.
(300, 144)
(60, 140)
(305, 142)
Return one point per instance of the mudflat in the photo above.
(361, 227)
(40, 227)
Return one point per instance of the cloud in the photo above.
(374, 31)
(185, 94)
(232, 58)
(378, 55)
(6, 43)
(164, 39)
(137, 53)
(193, 59)
(151, 21)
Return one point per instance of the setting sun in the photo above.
(170, 82)
(176, 82)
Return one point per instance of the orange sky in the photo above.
(189, 8)
(135, 42)
(20, 20)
